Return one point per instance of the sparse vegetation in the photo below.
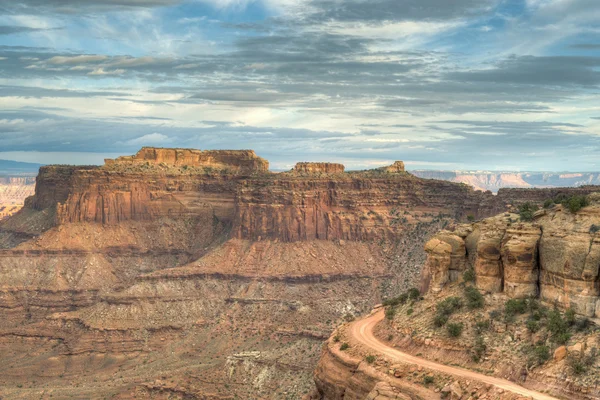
(526, 211)
(428, 380)
(594, 229)
(478, 349)
(538, 355)
(414, 294)
(390, 313)
(474, 298)
(572, 203)
(444, 309)
(455, 329)
(344, 346)
(469, 275)
(515, 306)
(370, 359)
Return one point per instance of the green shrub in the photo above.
(538, 355)
(526, 211)
(594, 229)
(479, 349)
(558, 327)
(396, 301)
(576, 203)
(455, 329)
(409, 311)
(444, 309)
(469, 275)
(482, 325)
(515, 306)
(532, 325)
(370, 359)
(495, 315)
(548, 203)
(474, 298)
(414, 294)
(390, 312)
(428, 380)
(344, 346)
(336, 338)
(570, 317)
(470, 218)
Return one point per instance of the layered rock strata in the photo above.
(555, 257)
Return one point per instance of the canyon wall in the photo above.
(555, 257)
(205, 268)
(495, 181)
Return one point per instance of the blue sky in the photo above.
(466, 84)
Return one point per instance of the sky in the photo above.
(462, 84)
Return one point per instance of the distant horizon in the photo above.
(89, 158)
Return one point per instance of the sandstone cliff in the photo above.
(555, 257)
(207, 268)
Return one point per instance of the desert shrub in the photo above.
(532, 325)
(515, 306)
(414, 294)
(479, 349)
(538, 355)
(482, 325)
(526, 211)
(344, 346)
(470, 218)
(495, 314)
(444, 309)
(594, 229)
(409, 311)
(570, 317)
(370, 359)
(428, 379)
(390, 312)
(474, 298)
(440, 320)
(336, 338)
(576, 203)
(548, 203)
(349, 317)
(396, 301)
(455, 329)
(558, 327)
(469, 275)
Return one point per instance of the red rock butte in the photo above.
(238, 160)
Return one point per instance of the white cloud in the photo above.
(61, 60)
(150, 139)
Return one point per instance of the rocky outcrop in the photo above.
(235, 161)
(318, 168)
(555, 257)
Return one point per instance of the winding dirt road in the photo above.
(363, 332)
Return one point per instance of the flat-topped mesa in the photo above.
(395, 168)
(318, 167)
(241, 161)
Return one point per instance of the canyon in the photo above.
(179, 273)
(494, 181)
(514, 296)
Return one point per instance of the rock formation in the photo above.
(185, 263)
(318, 168)
(555, 257)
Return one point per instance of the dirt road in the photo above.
(363, 332)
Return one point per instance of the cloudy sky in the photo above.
(462, 84)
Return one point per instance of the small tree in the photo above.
(527, 210)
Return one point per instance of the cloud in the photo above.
(14, 30)
(152, 139)
(77, 6)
